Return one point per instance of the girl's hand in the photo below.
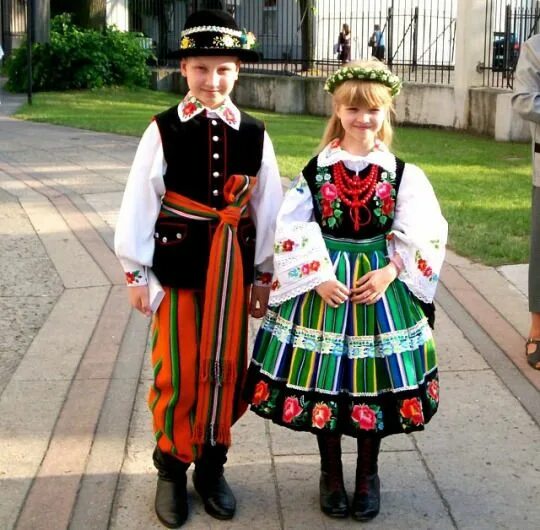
(258, 302)
(334, 293)
(139, 299)
(372, 285)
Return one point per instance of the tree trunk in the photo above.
(306, 27)
(85, 13)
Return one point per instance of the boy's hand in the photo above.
(258, 302)
(372, 285)
(333, 292)
(139, 299)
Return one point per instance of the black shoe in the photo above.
(333, 496)
(218, 499)
(171, 502)
(367, 499)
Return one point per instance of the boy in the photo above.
(191, 211)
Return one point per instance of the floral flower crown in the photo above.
(375, 75)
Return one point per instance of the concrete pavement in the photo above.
(75, 440)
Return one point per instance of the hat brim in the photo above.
(246, 56)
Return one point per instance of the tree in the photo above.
(307, 8)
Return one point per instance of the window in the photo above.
(270, 17)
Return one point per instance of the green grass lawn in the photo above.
(484, 186)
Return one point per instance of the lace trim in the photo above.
(324, 342)
(282, 294)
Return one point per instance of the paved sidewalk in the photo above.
(75, 441)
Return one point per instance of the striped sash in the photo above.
(223, 308)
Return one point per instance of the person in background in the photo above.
(526, 101)
(197, 218)
(346, 347)
(344, 42)
(376, 41)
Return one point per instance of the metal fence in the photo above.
(507, 26)
(297, 37)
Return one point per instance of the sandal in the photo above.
(533, 358)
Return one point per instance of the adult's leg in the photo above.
(533, 348)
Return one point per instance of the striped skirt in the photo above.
(360, 370)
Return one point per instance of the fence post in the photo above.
(415, 39)
(117, 14)
(470, 31)
(389, 36)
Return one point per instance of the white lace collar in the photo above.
(380, 156)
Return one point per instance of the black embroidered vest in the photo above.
(376, 222)
(201, 154)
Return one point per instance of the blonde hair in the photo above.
(360, 92)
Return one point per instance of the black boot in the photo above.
(210, 484)
(333, 497)
(367, 494)
(171, 494)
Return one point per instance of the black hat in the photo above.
(215, 32)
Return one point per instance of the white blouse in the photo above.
(418, 233)
(141, 203)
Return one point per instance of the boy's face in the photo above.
(210, 79)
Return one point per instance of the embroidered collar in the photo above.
(190, 107)
(380, 156)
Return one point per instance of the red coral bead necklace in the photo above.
(355, 192)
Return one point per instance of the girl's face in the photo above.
(210, 79)
(361, 123)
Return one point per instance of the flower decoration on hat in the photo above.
(215, 32)
(374, 75)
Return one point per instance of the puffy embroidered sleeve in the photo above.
(301, 260)
(134, 234)
(264, 206)
(418, 234)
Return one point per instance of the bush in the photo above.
(80, 58)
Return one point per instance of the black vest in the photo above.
(201, 154)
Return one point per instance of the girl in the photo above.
(346, 347)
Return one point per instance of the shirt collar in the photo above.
(190, 107)
(380, 156)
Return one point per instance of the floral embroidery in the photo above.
(331, 211)
(424, 268)
(275, 285)
(226, 41)
(324, 415)
(384, 198)
(186, 42)
(229, 115)
(291, 409)
(133, 277)
(367, 417)
(189, 107)
(263, 277)
(261, 393)
(411, 412)
(305, 269)
(287, 245)
(433, 392)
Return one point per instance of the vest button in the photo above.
(178, 236)
(156, 235)
(164, 239)
(215, 193)
(216, 155)
(214, 122)
(215, 138)
(215, 174)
